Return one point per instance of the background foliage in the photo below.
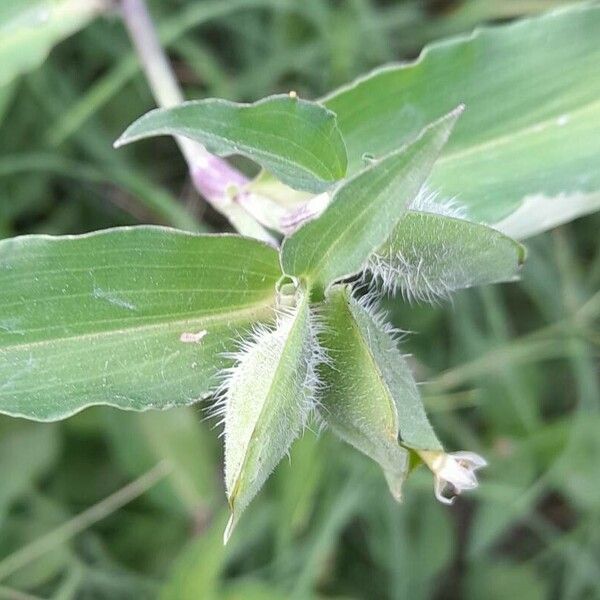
(511, 371)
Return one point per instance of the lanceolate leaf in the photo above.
(268, 397)
(297, 140)
(137, 317)
(29, 29)
(364, 211)
(431, 255)
(531, 129)
(370, 398)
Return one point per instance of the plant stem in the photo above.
(212, 176)
(82, 521)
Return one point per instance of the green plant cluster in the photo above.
(408, 184)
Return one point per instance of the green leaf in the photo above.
(539, 212)
(298, 141)
(30, 28)
(429, 255)
(364, 211)
(531, 128)
(269, 395)
(135, 317)
(370, 398)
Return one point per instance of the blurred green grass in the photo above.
(509, 371)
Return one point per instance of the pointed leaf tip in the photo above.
(364, 384)
(231, 524)
(269, 394)
(364, 210)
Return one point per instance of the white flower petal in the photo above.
(470, 458)
(454, 472)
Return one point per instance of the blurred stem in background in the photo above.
(213, 177)
(81, 522)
